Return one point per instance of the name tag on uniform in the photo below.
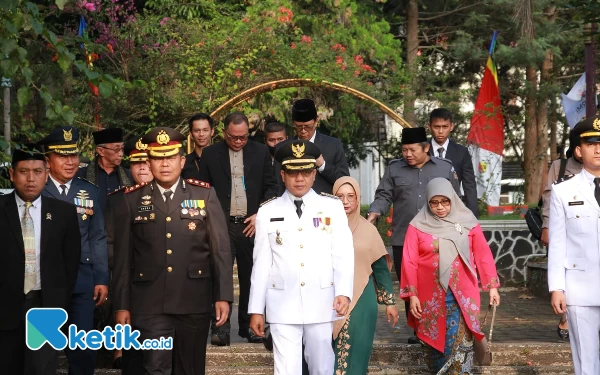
(276, 219)
(577, 203)
(145, 208)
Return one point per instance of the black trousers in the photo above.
(397, 254)
(16, 357)
(189, 333)
(241, 252)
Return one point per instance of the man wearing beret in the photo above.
(574, 249)
(139, 166)
(91, 289)
(172, 262)
(303, 271)
(105, 170)
(331, 164)
(403, 185)
(38, 261)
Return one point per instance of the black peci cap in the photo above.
(413, 135)
(304, 110)
(111, 135)
(29, 152)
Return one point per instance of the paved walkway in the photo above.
(520, 318)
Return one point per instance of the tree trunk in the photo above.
(7, 117)
(532, 177)
(412, 47)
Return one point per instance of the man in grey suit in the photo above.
(441, 125)
(332, 163)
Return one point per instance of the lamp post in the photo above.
(590, 70)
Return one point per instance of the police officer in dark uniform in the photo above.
(172, 262)
(403, 185)
(91, 288)
(128, 360)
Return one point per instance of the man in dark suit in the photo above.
(241, 172)
(91, 289)
(332, 163)
(441, 125)
(202, 129)
(172, 259)
(38, 262)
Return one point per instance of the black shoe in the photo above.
(117, 363)
(220, 339)
(563, 333)
(250, 336)
(413, 340)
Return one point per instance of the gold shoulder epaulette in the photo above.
(134, 187)
(203, 184)
(329, 195)
(563, 179)
(117, 190)
(268, 201)
(83, 179)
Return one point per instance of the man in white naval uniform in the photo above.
(303, 266)
(573, 255)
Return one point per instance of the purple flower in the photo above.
(91, 7)
(164, 21)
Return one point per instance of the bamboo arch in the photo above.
(298, 82)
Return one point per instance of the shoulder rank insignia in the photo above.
(117, 190)
(134, 187)
(203, 184)
(89, 182)
(563, 179)
(268, 201)
(329, 195)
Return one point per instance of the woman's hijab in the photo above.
(452, 230)
(368, 248)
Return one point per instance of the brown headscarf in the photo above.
(452, 230)
(368, 248)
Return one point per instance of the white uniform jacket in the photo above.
(573, 255)
(301, 264)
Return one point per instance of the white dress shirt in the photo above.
(172, 188)
(436, 145)
(67, 184)
(36, 214)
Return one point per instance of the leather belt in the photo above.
(237, 219)
(32, 294)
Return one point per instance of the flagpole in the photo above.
(590, 70)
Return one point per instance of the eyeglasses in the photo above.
(115, 150)
(305, 128)
(443, 202)
(350, 197)
(240, 138)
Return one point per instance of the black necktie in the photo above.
(298, 204)
(597, 189)
(63, 193)
(440, 152)
(168, 194)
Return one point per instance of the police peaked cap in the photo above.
(136, 149)
(588, 130)
(163, 142)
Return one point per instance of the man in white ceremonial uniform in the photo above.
(574, 251)
(303, 270)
